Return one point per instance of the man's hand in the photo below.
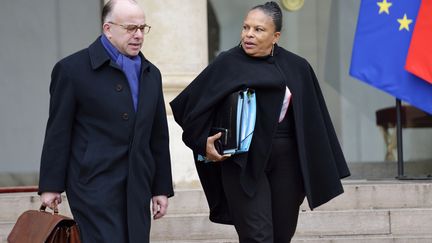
(211, 152)
(160, 206)
(51, 199)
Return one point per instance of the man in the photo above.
(106, 142)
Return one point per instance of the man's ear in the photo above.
(106, 29)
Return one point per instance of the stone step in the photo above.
(330, 226)
(365, 239)
(317, 223)
(333, 239)
(348, 223)
(5, 228)
(380, 208)
(13, 204)
(342, 222)
(358, 195)
(366, 194)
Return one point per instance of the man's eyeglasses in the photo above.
(133, 28)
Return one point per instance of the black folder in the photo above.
(225, 121)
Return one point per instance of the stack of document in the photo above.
(235, 117)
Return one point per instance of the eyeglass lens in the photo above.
(133, 28)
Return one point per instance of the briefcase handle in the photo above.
(43, 207)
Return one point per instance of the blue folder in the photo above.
(245, 123)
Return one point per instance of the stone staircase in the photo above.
(368, 211)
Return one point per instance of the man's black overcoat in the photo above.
(321, 158)
(108, 158)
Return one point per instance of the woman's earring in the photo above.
(272, 51)
(239, 45)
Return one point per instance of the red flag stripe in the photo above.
(419, 59)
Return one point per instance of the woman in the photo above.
(294, 150)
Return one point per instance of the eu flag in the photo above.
(381, 43)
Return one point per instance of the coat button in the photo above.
(125, 116)
(119, 87)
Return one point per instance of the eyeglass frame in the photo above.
(126, 27)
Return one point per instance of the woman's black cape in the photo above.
(321, 158)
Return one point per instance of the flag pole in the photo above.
(401, 174)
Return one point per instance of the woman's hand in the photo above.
(211, 152)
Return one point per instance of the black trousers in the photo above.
(270, 216)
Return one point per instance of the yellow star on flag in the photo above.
(404, 23)
(384, 6)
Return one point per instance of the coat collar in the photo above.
(269, 58)
(99, 56)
